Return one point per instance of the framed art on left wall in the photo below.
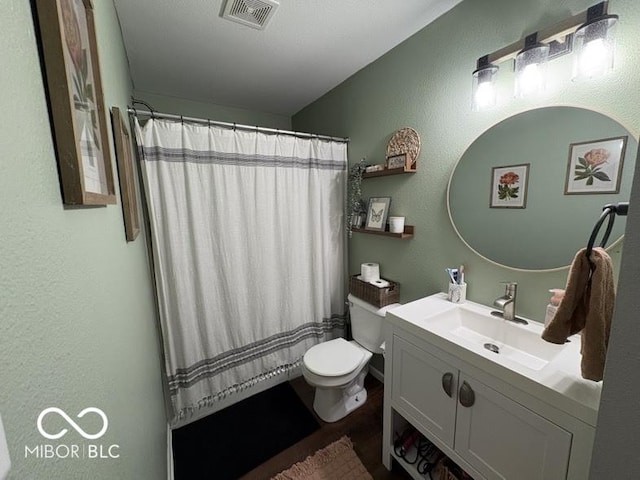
(126, 176)
(70, 54)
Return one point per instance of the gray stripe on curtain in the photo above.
(253, 160)
(210, 367)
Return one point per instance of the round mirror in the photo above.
(527, 192)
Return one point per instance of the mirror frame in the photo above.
(613, 244)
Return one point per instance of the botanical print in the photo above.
(589, 167)
(595, 166)
(78, 54)
(508, 186)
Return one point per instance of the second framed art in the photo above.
(377, 213)
(124, 157)
(509, 186)
(595, 166)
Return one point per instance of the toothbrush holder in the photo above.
(457, 292)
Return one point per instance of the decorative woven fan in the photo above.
(405, 140)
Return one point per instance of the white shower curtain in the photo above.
(248, 242)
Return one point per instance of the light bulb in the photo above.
(593, 57)
(594, 44)
(531, 67)
(485, 96)
(483, 88)
(530, 79)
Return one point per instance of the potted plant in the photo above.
(356, 208)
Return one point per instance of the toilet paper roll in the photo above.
(381, 283)
(370, 272)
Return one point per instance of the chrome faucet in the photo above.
(507, 303)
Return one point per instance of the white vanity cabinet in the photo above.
(490, 428)
(417, 389)
(502, 439)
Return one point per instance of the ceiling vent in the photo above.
(252, 13)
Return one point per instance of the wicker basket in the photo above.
(372, 294)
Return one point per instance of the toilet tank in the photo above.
(366, 323)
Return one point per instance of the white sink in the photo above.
(457, 334)
(476, 328)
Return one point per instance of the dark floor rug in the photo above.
(233, 441)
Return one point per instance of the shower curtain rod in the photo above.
(275, 131)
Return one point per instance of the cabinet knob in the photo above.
(447, 383)
(466, 395)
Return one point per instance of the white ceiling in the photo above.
(183, 48)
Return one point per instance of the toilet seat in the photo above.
(334, 358)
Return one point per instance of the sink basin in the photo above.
(477, 329)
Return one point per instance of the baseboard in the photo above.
(375, 373)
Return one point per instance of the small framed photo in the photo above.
(377, 213)
(509, 186)
(124, 157)
(398, 161)
(595, 166)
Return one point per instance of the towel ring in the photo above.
(608, 212)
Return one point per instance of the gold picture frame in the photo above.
(126, 176)
(72, 71)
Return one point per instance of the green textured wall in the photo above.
(425, 83)
(77, 324)
(221, 113)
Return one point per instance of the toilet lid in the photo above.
(333, 358)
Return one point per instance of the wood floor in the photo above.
(363, 426)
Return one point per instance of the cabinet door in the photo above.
(504, 440)
(418, 388)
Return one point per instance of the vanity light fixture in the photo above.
(531, 67)
(484, 88)
(590, 31)
(594, 44)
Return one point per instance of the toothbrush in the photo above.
(450, 273)
(461, 270)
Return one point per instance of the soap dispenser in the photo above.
(552, 307)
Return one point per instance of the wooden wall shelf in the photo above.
(387, 172)
(408, 232)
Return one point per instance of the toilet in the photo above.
(337, 368)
